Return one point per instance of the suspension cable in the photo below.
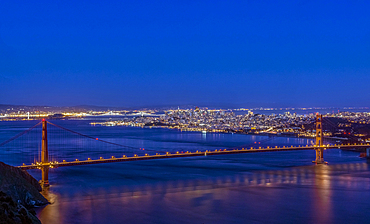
(20, 134)
(97, 139)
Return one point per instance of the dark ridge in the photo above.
(19, 194)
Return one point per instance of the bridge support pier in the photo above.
(44, 182)
(319, 156)
(44, 156)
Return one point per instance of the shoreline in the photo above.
(286, 135)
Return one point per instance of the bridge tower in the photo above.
(44, 155)
(319, 150)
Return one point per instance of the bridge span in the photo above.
(124, 158)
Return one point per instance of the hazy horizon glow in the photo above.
(143, 53)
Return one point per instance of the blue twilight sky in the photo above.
(142, 53)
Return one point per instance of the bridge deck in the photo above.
(56, 164)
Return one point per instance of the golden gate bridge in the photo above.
(46, 160)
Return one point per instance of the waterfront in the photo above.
(349, 126)
(277, 187)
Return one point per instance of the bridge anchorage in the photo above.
(45, 162)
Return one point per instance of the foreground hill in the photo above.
(19, 193)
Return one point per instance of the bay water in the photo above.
(268, 187)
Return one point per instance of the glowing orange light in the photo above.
(43, 119)
(97, 139)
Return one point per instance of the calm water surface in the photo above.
(280, 187)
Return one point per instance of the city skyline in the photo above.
(236, 54)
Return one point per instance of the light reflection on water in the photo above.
(303, 194)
